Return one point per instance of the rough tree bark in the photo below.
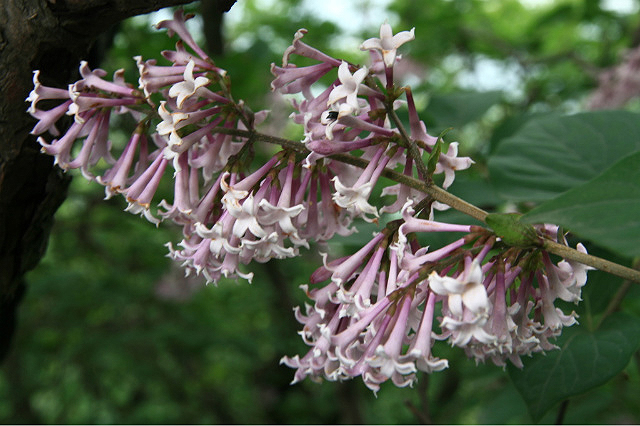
(52, 36)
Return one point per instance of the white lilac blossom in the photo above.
(118, 177)
(361, 330)
(298, 47)
(177, 26)
(191, 110)
(349, 123)
(95, 144)
(291, 79)
(41, 92)
(449, 163)
(321, 200)
(467, 306)
(354, 198)
(261, 217)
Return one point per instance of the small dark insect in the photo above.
(332, 115)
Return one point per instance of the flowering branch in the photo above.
(373, 313)
(462, 206)
(459, 204)
(433, 190)
(411, 145)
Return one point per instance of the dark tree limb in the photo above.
(52, 36)
(212, 12)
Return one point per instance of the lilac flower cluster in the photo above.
(186, 122)
(376, 315)
(373, 313)
(136, 169)
(189, 123)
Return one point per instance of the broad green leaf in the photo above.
(511, 125)
(458, 109)
(584, 361)
(605, 210)
(550, 155)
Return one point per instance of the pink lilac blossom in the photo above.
(340, 118)
(375, 314)
(192, 108)
(375, 317)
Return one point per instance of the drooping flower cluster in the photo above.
(375, 317)
(190, 129)
(184, 137)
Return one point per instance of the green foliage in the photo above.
(458, 109)
(550, 155)
(585, 360)
(587, 209)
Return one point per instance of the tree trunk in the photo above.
(52, 36)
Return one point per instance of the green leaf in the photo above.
(550, 155)
(511, 125)
(605, 210)
(585, 360)
(432, 162)
(458, 109)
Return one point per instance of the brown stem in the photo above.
(587, 259)
(562, 411)
(420, 417)
(437, 193)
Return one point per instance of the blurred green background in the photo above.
(111, 332)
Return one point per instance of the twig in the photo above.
(418, 415)
(588, 259)
(437, 193)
